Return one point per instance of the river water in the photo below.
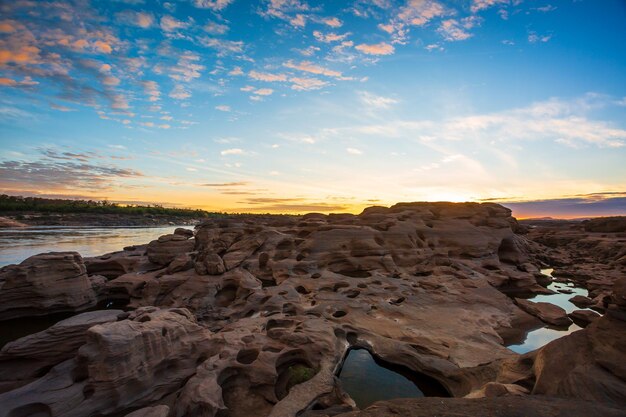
(17, 244)
(544, 335)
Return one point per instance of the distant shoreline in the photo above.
(29, 219)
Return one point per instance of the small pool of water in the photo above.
(544, 335)
(367, 380)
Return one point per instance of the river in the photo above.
(17, 244)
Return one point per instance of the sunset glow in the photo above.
(290, 106)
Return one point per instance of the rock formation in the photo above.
(45, 284)
(253, 316)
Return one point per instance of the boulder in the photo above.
(45, 284)
(167, 247)
(24, 360)
(581, 301)
(546, 312)
(583, 317)
(183, 232)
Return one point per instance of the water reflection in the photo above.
(17, 244)
(368, 380)
(544, 335)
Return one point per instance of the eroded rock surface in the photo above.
(253, 315)
(536, 406)
(45, 284)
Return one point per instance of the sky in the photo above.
(299, 105)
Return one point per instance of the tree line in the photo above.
(55, 205)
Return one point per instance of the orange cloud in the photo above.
(27, 54)
(382, 48)
(104, 47)
(8, 82)
(8, 26)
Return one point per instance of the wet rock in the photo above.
(581, 301)
(546, 312)
(583, 317)
(45, 284)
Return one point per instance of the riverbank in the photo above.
(25, 219)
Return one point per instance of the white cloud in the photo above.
(187, 67)
(454, 30)
(266, 76)
(376, 102)
(478, 5)
(223, 107)
(236, 71)
(170, 24)
(223, 46)
(151, 88)
(354, 151)
(563, 122)
(305, 84)
(232, 151)
(215, 28)
(534, 37)
(179, 93)
(215, 5)
(308, 51)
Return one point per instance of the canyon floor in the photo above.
(255, 315)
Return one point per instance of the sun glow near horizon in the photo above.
(292, 107)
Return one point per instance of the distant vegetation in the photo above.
(47, 205)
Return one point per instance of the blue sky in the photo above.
(294, 105)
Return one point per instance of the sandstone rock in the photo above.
(180, 263)
(26, 359)
(496, 389)
(183, 232)
(254, 315)
(606, 224)
(535, 406)
(547, 312)
(619, 293)
(587, 364)
(123, 365)
(112, 265)
(157, 411)
(581, 301)
(583, 317)
(45, 284)
(163, 250)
